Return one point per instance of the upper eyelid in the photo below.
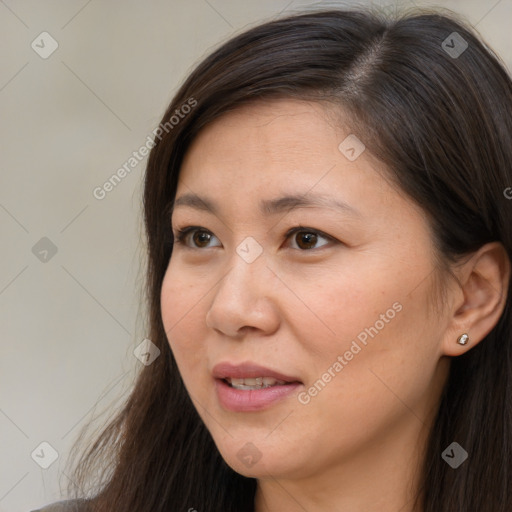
(191, 228)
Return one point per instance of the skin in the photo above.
(357, 445)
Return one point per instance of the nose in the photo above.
(244, 300)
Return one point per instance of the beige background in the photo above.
(69, 324)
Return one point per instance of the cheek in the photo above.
(184, 321)
(369, 329)
(333, 307)
(388, 357)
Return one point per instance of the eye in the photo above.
(199, 236)
(304, 238)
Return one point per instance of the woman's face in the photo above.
(329, 323)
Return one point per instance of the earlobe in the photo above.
(484, 281)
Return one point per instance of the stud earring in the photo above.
(463, 339)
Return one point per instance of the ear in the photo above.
(480, 300)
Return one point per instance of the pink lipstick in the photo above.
(250, 387)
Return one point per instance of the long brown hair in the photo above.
(441, 121)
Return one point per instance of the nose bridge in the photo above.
(247, 272)
(241, 298)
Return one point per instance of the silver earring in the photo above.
(463, 339)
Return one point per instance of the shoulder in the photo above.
(64, 506)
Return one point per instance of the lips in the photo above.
(250, 374)
(248, 387)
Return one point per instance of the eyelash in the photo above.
(182, 233)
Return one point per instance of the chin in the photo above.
(268, 462)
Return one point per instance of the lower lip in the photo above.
(239, 400)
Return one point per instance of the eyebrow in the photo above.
(272, 206)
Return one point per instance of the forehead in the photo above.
(281, 147)
(278, 142)
(269, 128)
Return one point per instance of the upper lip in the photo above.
(248, 370)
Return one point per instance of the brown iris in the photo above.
(308, 239)
(200, 238)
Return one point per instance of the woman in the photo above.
(330, 234)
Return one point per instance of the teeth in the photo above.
(254, 383)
